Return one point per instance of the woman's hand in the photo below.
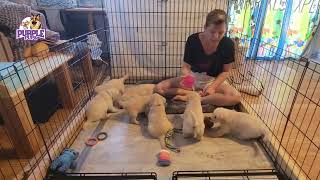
(208, 91)
(185, 72)
(186, 69)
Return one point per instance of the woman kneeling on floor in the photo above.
(208, 56)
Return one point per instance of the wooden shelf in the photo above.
(14, 107)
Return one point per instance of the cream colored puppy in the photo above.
(140, 90)
(99, 106)
(238, 124)
(158, 122)
(133, 91)
(193, 123)
(112, 84)
(134, 106)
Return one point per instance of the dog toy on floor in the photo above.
(91, 141)
(65, 161)
(168, 137)
(164, 158)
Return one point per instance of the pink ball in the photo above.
(188, 81)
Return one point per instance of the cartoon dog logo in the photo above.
(35, 22)
(32, 22)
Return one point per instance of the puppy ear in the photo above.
(164, 99)
(111, 91)
(214, 118)
(151, 100)
(98, 89)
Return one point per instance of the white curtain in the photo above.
(313, 50)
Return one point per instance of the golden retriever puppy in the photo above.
(134, 106)
(238, 124)
(112, 84)
(138, 90)
(158, 123)
(100, 105)
(193, 123)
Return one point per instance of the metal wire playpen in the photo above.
(146, 40)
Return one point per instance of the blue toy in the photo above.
(65, 161)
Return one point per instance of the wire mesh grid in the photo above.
(228, 174)
(150, 47)
(106, 176)
(147, 38)
(31, 139)
(288, 104)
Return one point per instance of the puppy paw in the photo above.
(113, 110)
(180, 98)
(135, 122)
(208, 122)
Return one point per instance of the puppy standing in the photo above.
(158, 123)
(238, 124)
(140, 90)
(193, 123)
(99, 106)
(134, 91)
(134, 106)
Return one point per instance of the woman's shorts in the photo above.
(202, 80)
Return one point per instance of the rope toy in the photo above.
(94, 140)
(169, 135)
(91, 141)
(188, 82)
(164, 158)
(104, 136)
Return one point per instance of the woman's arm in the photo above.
(186, 69)
(219, 80)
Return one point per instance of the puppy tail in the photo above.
(162, 142)
(255, 147)
(125, 77)
(86, 125)
(255, 144)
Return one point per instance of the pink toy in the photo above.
(188, 82)
(164, 158)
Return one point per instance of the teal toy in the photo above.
(66, 160)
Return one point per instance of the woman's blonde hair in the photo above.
(216, 17)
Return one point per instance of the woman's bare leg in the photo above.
(225, 95)
(170, 87)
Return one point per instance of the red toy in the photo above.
(188, 82)
(164, 158)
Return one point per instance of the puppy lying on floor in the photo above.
(158, 123)
(238, 124)
(134, 106)
(193, 123)
(112, 84)
(99, 106)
